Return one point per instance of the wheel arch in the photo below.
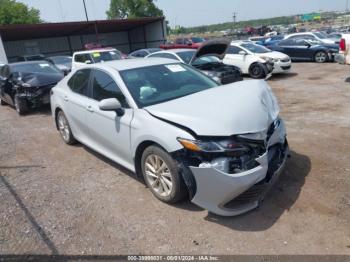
(57, 109)
(138, 155)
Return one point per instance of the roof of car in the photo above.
(55, 56)
(301, 33)
(94, 51)
(126, 64)
(29, 62)
(176, 50)
(238, 42)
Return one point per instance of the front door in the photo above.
(109, 133)
(233, 57)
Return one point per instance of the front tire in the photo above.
(257, 71)
(162, 176)
(21, 105)
(321, 57)
(64, 128)
(2, 102)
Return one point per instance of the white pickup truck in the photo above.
(94, 56)
(344, 50)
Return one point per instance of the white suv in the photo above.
(94, 56)
(256, 60)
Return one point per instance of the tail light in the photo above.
(342, 44)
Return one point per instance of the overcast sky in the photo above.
(189, 12)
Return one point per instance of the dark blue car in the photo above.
(306, 50)
(270, 40)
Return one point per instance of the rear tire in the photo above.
(162, 176)
(21, 105)
(257, 71)
(321, 57)
(64, 128)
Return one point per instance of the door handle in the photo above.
(65, 98)
(89, 108)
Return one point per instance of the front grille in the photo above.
(253, 194)
(250, 196)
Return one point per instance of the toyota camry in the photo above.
(222, 146)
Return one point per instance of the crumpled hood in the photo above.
(36, 79)
(216, 47)
(238, 108)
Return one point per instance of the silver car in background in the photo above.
(223, 146)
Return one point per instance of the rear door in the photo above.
(76, 102)
(109, 133)
(291, 48)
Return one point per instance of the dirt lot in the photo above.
(68, 200)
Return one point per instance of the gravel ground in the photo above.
(68, 200)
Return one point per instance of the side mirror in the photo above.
(242, 53)
(88, 62)
(111, 104)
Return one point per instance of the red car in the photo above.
(192, 43)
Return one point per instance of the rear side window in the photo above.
(79, 82)
(287, 42)
(82, 58)
(105, 87)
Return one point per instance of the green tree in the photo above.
(12, 12)
(132, 9)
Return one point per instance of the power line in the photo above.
(61, 10)
(86, 14)
(234, 20)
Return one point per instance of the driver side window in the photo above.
(104, 87)
(234, 50)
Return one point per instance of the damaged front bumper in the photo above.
(36, 96)
(233, 194)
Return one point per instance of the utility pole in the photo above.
(86, 14)
(234, 20)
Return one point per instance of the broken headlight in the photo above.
(226, 145)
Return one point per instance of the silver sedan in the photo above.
(183, 133)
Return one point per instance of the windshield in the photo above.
(105, 56)
(255, 48)
(41, 68)
(197, 40)
(160, 83)
(186, 56)
(61, 59)
(320, 35)
(205, 60)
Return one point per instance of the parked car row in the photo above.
(181, 119)
(27, 85)
(306, 46)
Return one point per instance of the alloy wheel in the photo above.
(63, 126)
(321, 57)
(158, 175)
